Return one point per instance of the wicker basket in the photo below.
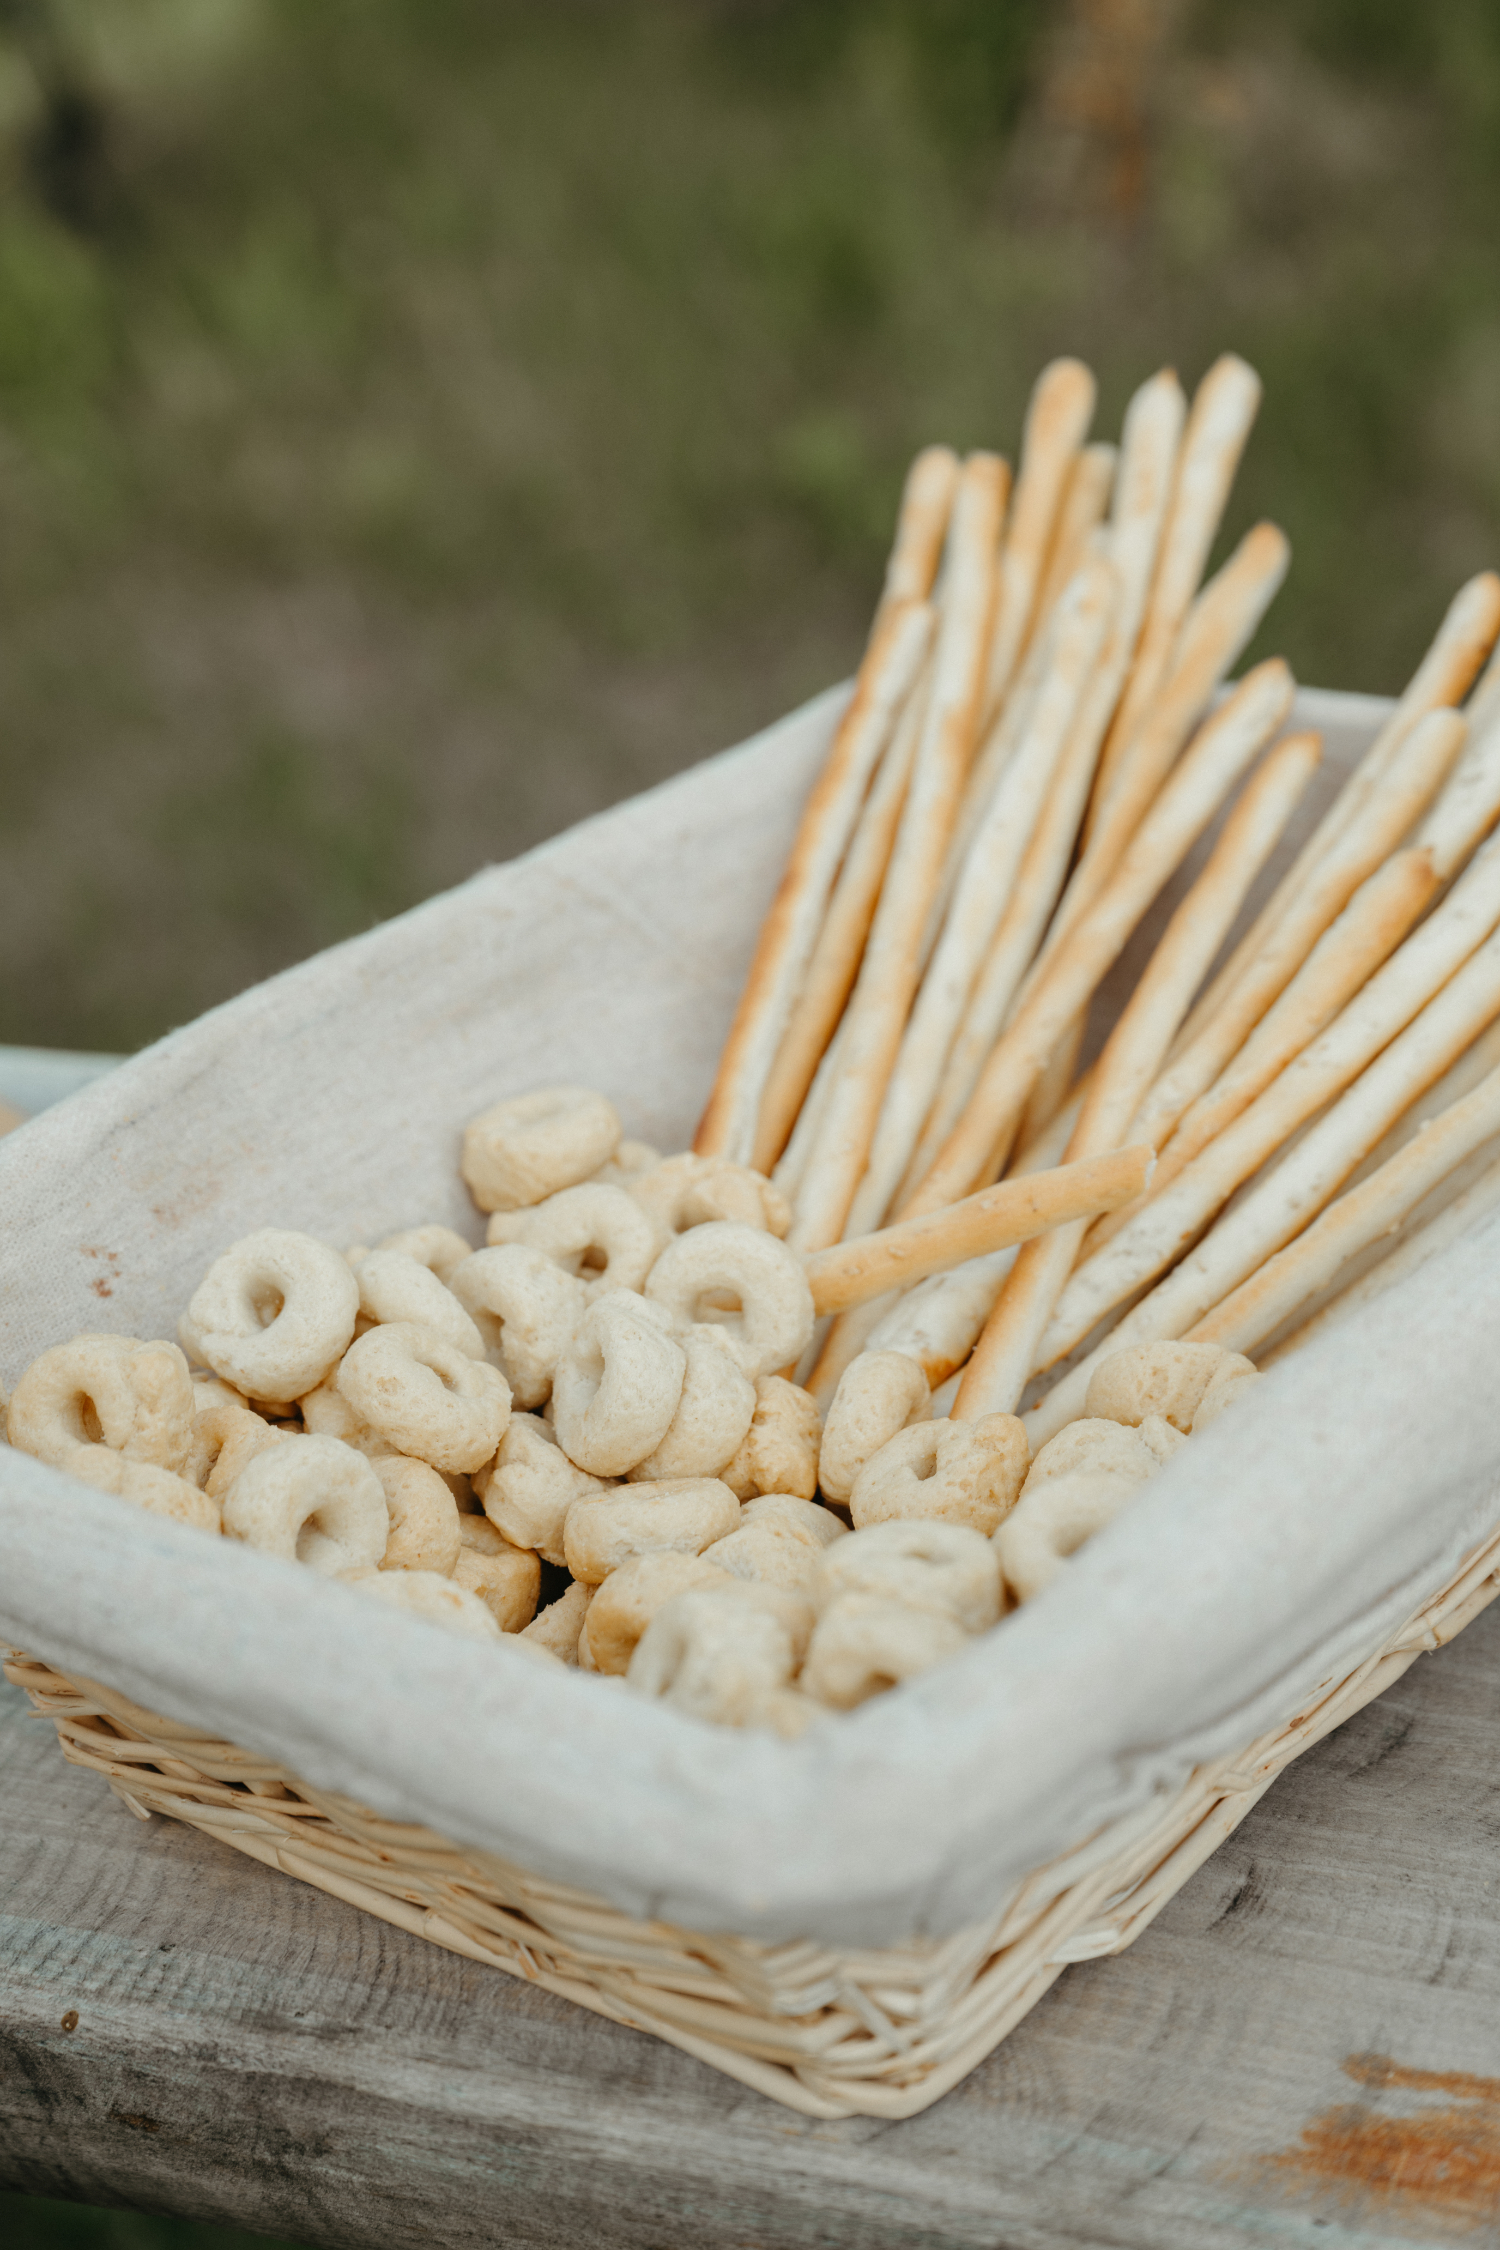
(882, 2032)
(326, 1099)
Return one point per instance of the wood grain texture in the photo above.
(248, 2050)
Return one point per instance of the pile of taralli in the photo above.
(766, 1428)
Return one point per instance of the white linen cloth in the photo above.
(1269, 1555)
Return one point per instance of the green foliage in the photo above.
(34, 2222)
(432, 418)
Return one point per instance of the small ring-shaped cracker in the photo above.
(273, 1314)
(425, 1398)
(312, 1500)
(520, 1151)
(743, 1281)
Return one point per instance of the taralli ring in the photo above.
(424, 1397)
(956, 1472)
(947, 1567)
(779, 1451)
(682, 1518)
(527, 1492)
(631, 1596)
(439, 1249)
(865, 1643)
(617, 1385)
(526, 1308)
(311, 1500)
(629, 1161)
(75, 1397)
(683, 1192)
(1053, 1521)
(525, 1149)
(1165, 1379)
(557, 1629)
(712, 1414)
(713, 1655)
(804, 1516)
(506, 1579)
(423, 1516)
(425, 1594)
(1093, 1444)
(598, 1234)
(879, 1393)
(327, 1413)
(769, 1553)
(745, 1282)
(136, 1399)
(226, 1439)
(393, 1286)
(273, 1314)
(1230, 1380)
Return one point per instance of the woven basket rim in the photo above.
(828, 2031)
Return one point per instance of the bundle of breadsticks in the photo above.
(766, 1428)
(1039, 735)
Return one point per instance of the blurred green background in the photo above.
(425, 421)
(34, 2222)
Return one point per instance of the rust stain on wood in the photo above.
(1427, 2144)
(135, 2121)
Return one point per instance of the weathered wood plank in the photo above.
(250, 2050)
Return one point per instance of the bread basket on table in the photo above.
(848, 1922)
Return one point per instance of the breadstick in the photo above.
(986, 884)
(888, 973)
(1143, 489)
(1222, 749)
(937, 1320)
(1483, 706)
(1038, 886)
(1057, 421)
(1001, 1367)
(1461, 1078)
(1218, 628)
(1272, 1294)
(836, 955)
(1083, 507)
(1393, 998)
(1449, 1226)
(1462, 642)
(790, 930)
(1055, 1083)
(1149, 444)
(1469, 804)
(1076, 537)
(921, 526)
(1223, 411)
(1372, 925)
(1474, 1065)
(1415, 774)
(792, 1162)
(1308, 1176)
(851, 1273)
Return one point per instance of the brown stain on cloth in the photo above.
(1437, 2157)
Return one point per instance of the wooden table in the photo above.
(1304, 2049)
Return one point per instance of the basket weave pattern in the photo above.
(881, 2032)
